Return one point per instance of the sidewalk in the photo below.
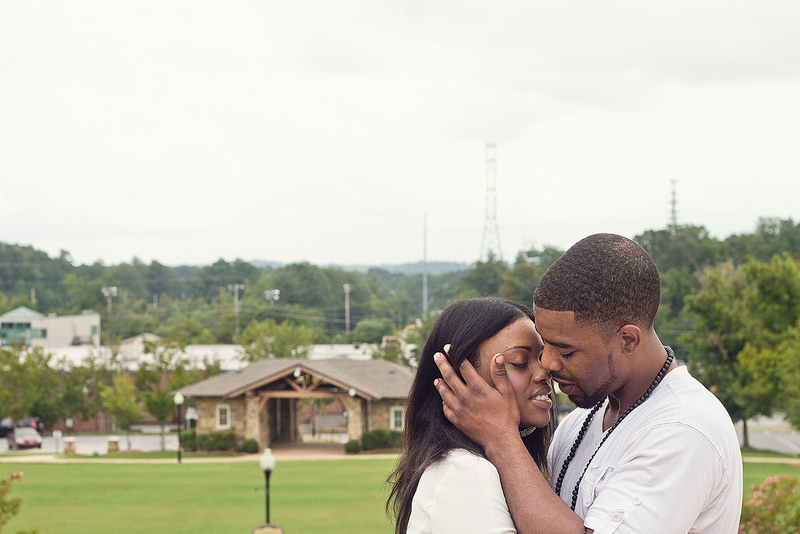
(305, 451)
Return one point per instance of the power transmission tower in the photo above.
(490, 243)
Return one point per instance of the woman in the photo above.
(443, 483)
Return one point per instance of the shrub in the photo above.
(395, 439)
(217, 441)
(250, 446)
(352, 447)
(382, 438)
(9, 506)
(774, 507)
(188, 439)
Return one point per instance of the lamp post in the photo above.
(178, 399)
(272, 295)
(267, 463)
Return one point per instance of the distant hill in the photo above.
(434, 267)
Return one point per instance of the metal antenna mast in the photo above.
(490, 244)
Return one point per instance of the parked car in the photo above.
(6, 426)
(31, 421)
(24, 438)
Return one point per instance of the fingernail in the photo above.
(498, 359)
(437, 357)
(447, 348)
(436, 383)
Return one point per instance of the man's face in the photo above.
(577, 357)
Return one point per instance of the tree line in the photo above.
(730, 307)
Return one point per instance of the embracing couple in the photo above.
(649, 451)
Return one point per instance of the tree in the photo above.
(372, 330)
(720, 334)
(158, 377)
(119, 400)
(743, 314)
(267, 339)
(483, 280)
(18, 390)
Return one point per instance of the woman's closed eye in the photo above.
(518, 357)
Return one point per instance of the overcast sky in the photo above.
(325, 130)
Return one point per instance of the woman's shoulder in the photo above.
(463, 463)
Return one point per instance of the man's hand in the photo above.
(485, 414)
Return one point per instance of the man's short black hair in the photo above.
(607, 280)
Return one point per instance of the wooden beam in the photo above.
(299, 395)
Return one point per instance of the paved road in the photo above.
(91, 444)
(766, 433)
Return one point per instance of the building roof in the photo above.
(371, 379)
(22, 313)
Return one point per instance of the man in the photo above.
(652, 451)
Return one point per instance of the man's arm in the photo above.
(490, 418)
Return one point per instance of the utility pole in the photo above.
(674, 202)
(236, 288)
(425, 265)
(490, 244)
(347, 288)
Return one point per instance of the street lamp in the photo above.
(178, 399)
(267, 463)
(108, 292)
(272, 295)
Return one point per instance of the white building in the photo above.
(38, 330)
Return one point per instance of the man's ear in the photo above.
(630, 337)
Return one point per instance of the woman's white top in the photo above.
(460, 494)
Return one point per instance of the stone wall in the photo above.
(382, 411)
(207, 415)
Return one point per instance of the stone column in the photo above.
(356, 419)
(252, 419)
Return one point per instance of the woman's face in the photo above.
(521, 347)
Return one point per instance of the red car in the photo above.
(24, 438)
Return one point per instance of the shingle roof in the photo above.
(374, 379)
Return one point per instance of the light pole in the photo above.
(267, 463)
(178, 399)
(236, 288)
(108, 292)
(272, 295)
(347, 288)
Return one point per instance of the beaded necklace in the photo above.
(587, 422)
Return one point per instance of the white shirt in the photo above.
(460, 494)
(672, 466)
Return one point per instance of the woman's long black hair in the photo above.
(429, 436)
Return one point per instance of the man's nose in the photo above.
(550, 359)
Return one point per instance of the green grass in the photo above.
(319, 496)
(755, 473)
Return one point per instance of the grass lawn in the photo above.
(312, 496)
(320, 496)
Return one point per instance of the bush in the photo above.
(217, 441)
(352, 447)
(188, 439)
(250, 446)
(9, 506)
(774, 507)
(382, 438)
(395, 439)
